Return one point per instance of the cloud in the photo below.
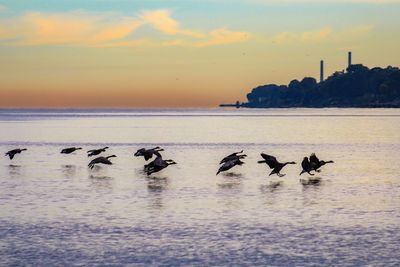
(323, 34)
(3, 8)
(74, 28)
(80, 28)
(162, 21)
(223, 36)
(309, 36)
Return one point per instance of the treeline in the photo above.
(359, 86)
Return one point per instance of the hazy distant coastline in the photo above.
(359, 87)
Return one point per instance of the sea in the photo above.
(55, 211)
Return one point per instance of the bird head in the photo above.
(139, 152)
(106, 147)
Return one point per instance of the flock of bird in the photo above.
(309, 164)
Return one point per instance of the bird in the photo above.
(101, 160)
(274, 164)
(316, 163)
(307, 166)
(233, 156)
(230, 164)
(158, 164)
(13, 152)
(147, 153)
(70, 150)
(95, 152)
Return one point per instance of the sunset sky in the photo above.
(181, 53)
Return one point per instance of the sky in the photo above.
(181, 53)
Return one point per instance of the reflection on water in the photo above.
(14, 170)
(188, 216)
(156, 186)
(69, 170)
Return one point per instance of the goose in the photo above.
(147, 153)
(158, 164)
(95, 152)
(233, 156)
(101, 160)
(70, 150)
(274, 164)
(13, 152)
(316, 163)
(307, 166)
(230, 164)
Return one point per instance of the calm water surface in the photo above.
(54, 211)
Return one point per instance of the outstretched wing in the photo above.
(314, 159)
(270, 160)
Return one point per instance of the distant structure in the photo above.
(321, 74)
(349, 60)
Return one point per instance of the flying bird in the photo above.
(158, 164)
(233, 156)
(101, 160)
(307, 166)
(274, 164)
(13, 152)
(147, 153)
(316, 163)
(95, 152)
(70, 150)
(227, 165)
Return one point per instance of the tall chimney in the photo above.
(349, 60)
(321, 77)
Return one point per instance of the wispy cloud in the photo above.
(162, 21)
(82, 28)
(308, 36)
(3, 8)
(323, 34)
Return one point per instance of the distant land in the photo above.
(358, 86)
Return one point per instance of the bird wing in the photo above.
(11, 155)
(314, 159)
(270, 160)
(305, 164)
(90, 151)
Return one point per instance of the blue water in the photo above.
(54, 211)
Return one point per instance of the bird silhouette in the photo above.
(274, 164)
(316, 163)
(147, 153)
(70, 150)
(158, 164)
(227, 165)
(13, 152)
(95, 152)
(233, 156)
(101, 160)
(307, 166)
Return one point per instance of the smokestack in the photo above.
(321, 77)
(349, 60)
